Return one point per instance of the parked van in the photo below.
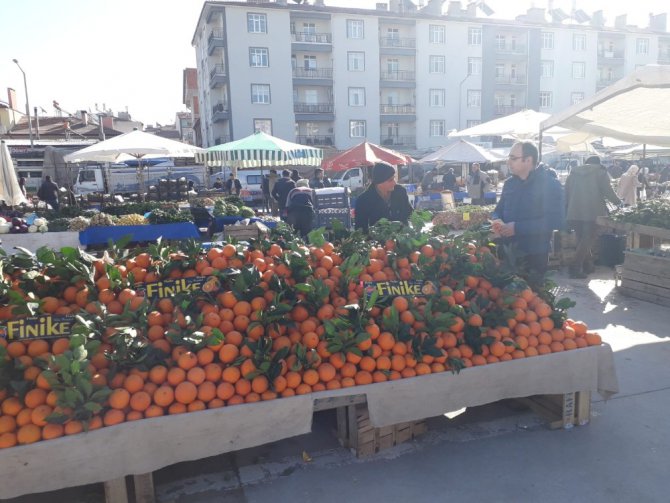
(351, 178)
(251, 181)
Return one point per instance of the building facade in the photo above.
(397, 76)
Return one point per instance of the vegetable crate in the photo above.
(244, 232)
(646, 277)
(332, 197)
(325, 217)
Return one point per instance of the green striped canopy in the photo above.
(260, 150)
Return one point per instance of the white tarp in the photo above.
(635, 109)
(461, 151)
(10, 192)
(523, 125)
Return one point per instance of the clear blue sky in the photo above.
(131, 53)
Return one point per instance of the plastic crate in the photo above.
(331, 197)
(325, 217)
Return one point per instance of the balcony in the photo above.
(327, 140)
(605, 82)
(217, 76)
(397, 43)
(399, 76)
(313, 73)
(216, 39)
(398, 141)
(664, 57)
(502, 110)
(519, 80)
(511, 50)
(314, 108)
(610, 57)
(397, 109)
(220, 112)
(313, 42)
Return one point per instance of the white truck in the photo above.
(124, 179)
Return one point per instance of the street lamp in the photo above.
(460, 98)
(25, 86)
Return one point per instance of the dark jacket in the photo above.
(449, 181)
(281, 190)
(536, 205)
(586, 190)
(371, 207)
(233, 183)
(300, 199)
(48, 191)
(315, 183)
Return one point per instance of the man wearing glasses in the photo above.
(531, 206)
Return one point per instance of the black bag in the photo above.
(610, 249)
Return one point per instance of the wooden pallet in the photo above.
(646, 277)
(561, 411)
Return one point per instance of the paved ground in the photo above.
(492, 452)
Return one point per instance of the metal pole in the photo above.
(25, 86)
(460, 100)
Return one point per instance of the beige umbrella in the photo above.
(10, 191)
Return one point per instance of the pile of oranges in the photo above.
(297, 356)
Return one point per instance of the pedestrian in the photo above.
(218, 185)
(300, 207)
(383, 198)
(295, 176)
(281, 189)
(428, 180)
(272, 180)
(587, 189)
(320, 181)
(48, 192)
(478, 184)
(22, 185)
(265, 187)
(627, 187)
(643, 188)
(233, 185)
(449, 180)
(531, 207)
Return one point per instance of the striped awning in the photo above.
(260, 150)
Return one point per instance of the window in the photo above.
(257, 23)
(309, 62)
(393, 33)
(500, 71)
(578, 70)
(354, 28)
(576, 98)
(260, 94)
(311, 96)
(392, 65)
(473, 123)
(474, 36)
(356, 61)
(357, 129)
(258, 57)
(474, 66)
(545, 99)
(500, 42)
(547, 40)
(436, 64)
(392, 129)
(642, 46)
(578, 42)
(437, 128)
(264, 125)
(546, 69)
(356, 96)
(474, 98)
(436, 34)
(436, 97)
(309, 28)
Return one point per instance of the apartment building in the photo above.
(398, 75)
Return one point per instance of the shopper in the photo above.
(531, 207)
(300, 207)
(587, 189)
(281, 189)
(382, 199)
(627, 187)
(295, 176)
(233, 186)
(22, 185)
(218, 185)
(48, 193)
(478, 184)
(320, 181)
(449, 181)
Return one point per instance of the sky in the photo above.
(131, 53)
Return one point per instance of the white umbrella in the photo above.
(10, 192)
(133, 145)
(521, 125)
(461, 151)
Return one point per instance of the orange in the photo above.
(114, 416)
(140, 401)
(119, 399)
(29, 434)
(185, 392)
(163, 396)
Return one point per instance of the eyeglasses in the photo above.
(515, 157)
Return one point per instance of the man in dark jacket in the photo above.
(48, 193)
(320, 181)
(382, 199)
(586, 190)
(531, 207)
(233, 186)
(281, 189)
(300, 207)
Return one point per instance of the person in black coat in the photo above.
(320, 181)
(382, 199)
(281, 189)
(49, 193)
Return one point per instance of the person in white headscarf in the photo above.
(627, 188)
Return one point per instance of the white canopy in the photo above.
(10, 192)
(520, 126)
(634, 109)
(137, 145)
(461, 151)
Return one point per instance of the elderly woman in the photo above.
(627, 188)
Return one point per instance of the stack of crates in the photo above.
(330, 204)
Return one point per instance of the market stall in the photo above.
(138, 233)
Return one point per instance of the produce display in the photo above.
(131, 219)
(463, 217)
(653, 212)
(232, 206)
(246, 323)
(18, 225)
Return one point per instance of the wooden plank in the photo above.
(583, 414)
(352, 422)
(640, 262)
(663, 293)
(645, 296)
(342, 427)
(569, 407)
(648, 279)
(116, 491)
(337, 401)
(144, 488)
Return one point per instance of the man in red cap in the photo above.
(382, 199)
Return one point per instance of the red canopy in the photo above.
(364, 154)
